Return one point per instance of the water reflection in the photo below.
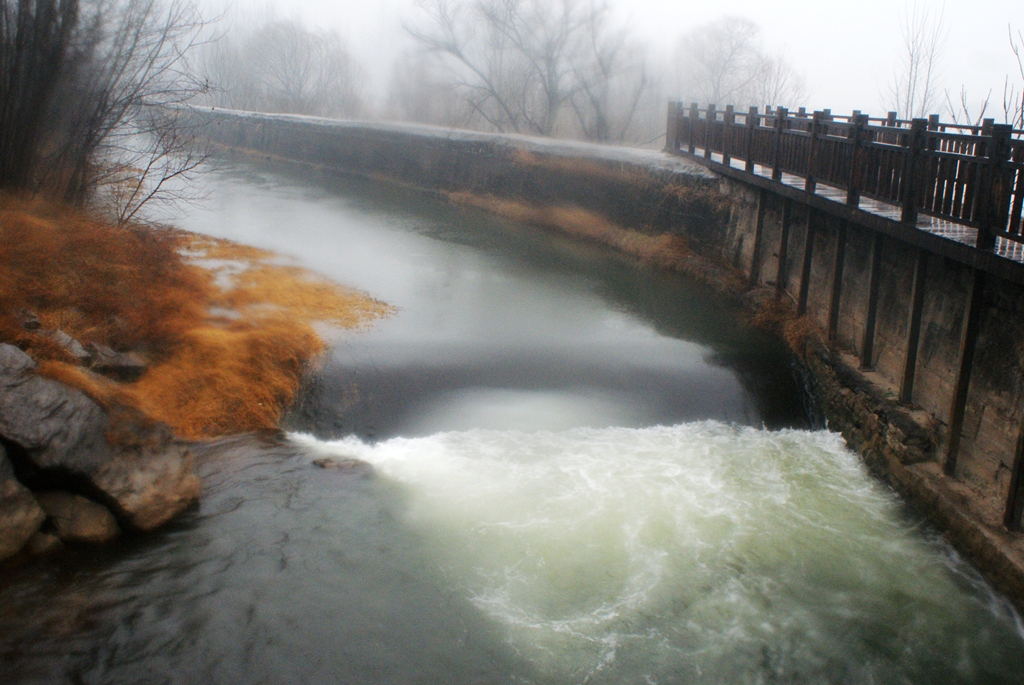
(488, 305)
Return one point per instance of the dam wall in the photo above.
(879, 318)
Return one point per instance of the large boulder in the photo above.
(20, 514)
(77, 519)
(144, 475)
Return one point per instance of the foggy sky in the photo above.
(845, 51)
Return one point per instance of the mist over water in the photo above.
(586, 471)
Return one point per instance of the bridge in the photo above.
(942, 189)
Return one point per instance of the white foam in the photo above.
(618, 552)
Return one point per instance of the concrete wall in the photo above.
(657, 193)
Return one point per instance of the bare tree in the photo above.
(777, 83)
(915, 90)
(1013, 96)
(612, 79)
(130, 72)
(96, 78)
(509, 59)
(724, 62)
(35, 40)
(421, 91)
(276, 65)
(537, 66)
(960, 109)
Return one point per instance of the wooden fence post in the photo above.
(910, 186)
(857, 133)
(730, 119)
(780, 122)
(672, 128)
(994, 196)
(709, 124)
(817, 124)
(752, 119)
(694, 116)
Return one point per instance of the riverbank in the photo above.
(119, 345)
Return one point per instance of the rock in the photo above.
(353, 466)
(123, 366)
(29, 320)
(77, 519)
(73, 347)
(145, 473)
(43, 543)
(20, 514)
(152, 487)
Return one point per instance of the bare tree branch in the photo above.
(914, 91)
(724, 63)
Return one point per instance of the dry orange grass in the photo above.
(96, 282)
(664, 250)
(151, 291)
(580, 166)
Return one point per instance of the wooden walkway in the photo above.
(962, 183)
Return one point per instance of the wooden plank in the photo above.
(914, 326)
(867, 349)
(968, 346)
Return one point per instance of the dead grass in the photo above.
(94, 281)
(580, 166)
(778, 316)
(135, 289)
(664, 250)
(268, 289)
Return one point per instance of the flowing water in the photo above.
(585, 471)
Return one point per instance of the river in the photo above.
(586, 471)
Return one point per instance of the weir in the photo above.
(918, 290)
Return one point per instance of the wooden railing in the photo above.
(969, 175)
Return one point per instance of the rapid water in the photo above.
(585, 472)
(701, 552)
